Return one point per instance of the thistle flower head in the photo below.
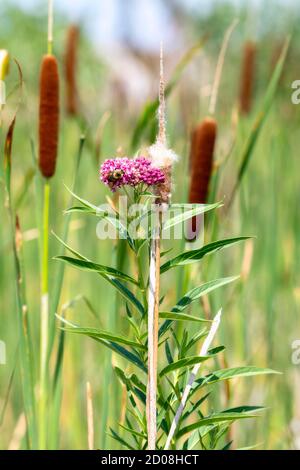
(119, 172)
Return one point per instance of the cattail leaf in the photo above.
(190, 361)
(190, 210)
(219, 418)
(195, 255)
(99, 334)
(90, 266)
(149, 112)
(193, 295)
(181, 317)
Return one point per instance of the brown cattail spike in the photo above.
(49, 115)
(202, 151)
(247, 77)
(70, 70)
(204, 138)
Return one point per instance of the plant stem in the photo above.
(44, 326)
(50, 26)
(153, 317)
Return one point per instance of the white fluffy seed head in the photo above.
(161, 156)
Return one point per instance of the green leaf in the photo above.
(84, 209)
(226, 374)
(195, 255)
(90, 208)
(198, 292)
(121, 440)
(190, 361)
(182, 317)
(219, 418)
(193, 295)
(99, 334)
(192, 211)
(90, 266)
(127, 294)
(84, 202)
(131, 357)
(124, 291)
(132, 385)
(133, 432)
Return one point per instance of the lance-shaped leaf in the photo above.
(190, 361)
(193, 295)
(181, 317)
(187, 212)
(90, 266)
(229, 415)
(113, 345)
(100, 334)
(196, 255)
(100, 212)
(124, 291)
(234, 372)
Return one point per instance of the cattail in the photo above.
(203, 144)
(49, 115)
(247, 77)
(70, 70)
(202, 152)
(194, 145)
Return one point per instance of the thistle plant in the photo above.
(167, 401)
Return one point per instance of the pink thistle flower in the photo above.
(119, 172)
